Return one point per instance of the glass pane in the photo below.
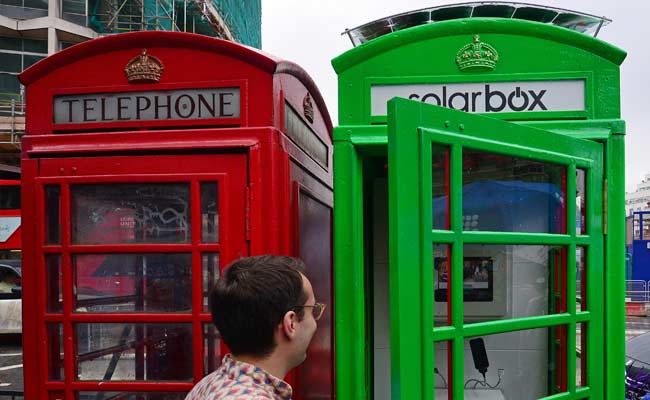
(35, 45)
(134, 352)
(55, 351)
(211, 348)
(441, 286)
(53, 217)
(10, 197)
(442, 358)
(440, 186)
(73, 6)
(28, 60)
(637, 227)
(9, 83)
(41, 4)
(581, 355)
(581, 279)
(509, 194)
(10, 62)
(645, 235)
(133, 282)
(54, 283)
(510, 281)
(131, 213)
(210, 268)
(9, 43)
(581, 208)
(130, 396)
(503, 363)
(209, 213)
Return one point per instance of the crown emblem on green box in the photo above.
(477, 56)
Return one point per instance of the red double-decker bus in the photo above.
(10, 267)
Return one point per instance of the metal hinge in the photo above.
(605, 206)
(247, 214)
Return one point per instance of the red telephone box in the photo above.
(151, 161)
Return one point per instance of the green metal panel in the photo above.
(350, 329)
(413, 127)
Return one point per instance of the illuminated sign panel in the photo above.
(490, 97)
(183, 104)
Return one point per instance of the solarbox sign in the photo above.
(491, 97)
(147, 106)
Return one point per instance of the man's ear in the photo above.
(288, 324)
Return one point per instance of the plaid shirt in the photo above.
(236, 380)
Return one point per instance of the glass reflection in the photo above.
(509, 194)
(500, 366)
(581, 355)
(130, 213)
(441, 284)
(134, 352)
(440, 186)
(54, 281)
(109, 283)
(581, 279)
(581, 207)
(506, 281)
(209, 213)
(55, 351)
(210, 267)
(211, 348)
(441, 379)
(53, 215)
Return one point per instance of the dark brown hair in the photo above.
(252, 297)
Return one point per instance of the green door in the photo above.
(496, 258)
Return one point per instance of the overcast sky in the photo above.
(308, 32)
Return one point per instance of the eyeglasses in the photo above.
(317, 310)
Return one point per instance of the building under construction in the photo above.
(30, 30)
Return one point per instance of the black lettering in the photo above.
(537, 100)
(69, 107)
(178, 106)
(103, 108)
(223, 103)
(431, 95)
(474, 96)
(463, 96)
(88, 108)
(444, 96)
(167, 106)
(121, 107)
(488, 100)
(204, 102)
(517, 94)
(139, 107)
(414, 96)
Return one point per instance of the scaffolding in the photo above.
(197, 16)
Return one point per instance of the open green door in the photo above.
(496, 234)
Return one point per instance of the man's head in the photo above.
(262, 305)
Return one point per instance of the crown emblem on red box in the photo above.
(308, 108)
(144, 69)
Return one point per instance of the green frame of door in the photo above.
(413, 127)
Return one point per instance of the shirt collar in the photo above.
(237, 368)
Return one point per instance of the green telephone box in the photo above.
(479, 208)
